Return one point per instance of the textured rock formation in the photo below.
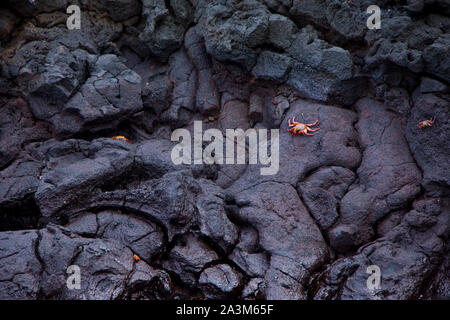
(370, 187)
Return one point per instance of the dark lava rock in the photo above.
(430, 146)
(273, 66)
(322, 192)
(287, 233)
(207, 97)
(369, 188)
(19, 267)
(19, 181)
(164, 31)
(149, 283)
(406, 256)
(7, 21)
(118, 10)
(30, 7)
(184, 78)
(188, 258)
(439, 286)
(35, 263)
(75, 167)
(388, 177)
(254, 290)
(319, 71)
(336, 145)
(232, 30)
(437, 58)
(113, 88)
(18, 127)
(144, 238)
(429, 85)
(219, 281)
(213, 221)
(248, 255)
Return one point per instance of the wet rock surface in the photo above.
(370, 188)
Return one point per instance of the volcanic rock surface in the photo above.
(369, 188)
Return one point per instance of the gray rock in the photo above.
(428, 85)
(308, 10)
(184, 77)
(415, 5)
(118, 10)
(233, 29)
(163, 33)
(7, 22)
(388, 177)
(437, 58)
(31, 7)
(113, 88)
(18, 128)
(333, 145)
(406, 256)
(70, 175)
(220, 280)
(415, 45)
(255, 109)
(247, 254)
(188, 258)
(430, 145)
(281, 30)
(322, 192)
(141, 227)
(321, 71)
(19, 267)
(53, 64)
(207, 97)
(20, 180)
(254, 290)
(439, 286)
(272, 66)
(286, 232)
(348, 19)
(149, 283)
(254, 264)
(143, 237)
(213, 221)
(37, 265)
(397, 100)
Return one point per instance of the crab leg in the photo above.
(291, 122)
(312, 130)
(294, 122)
(308, 134)
(312, 124)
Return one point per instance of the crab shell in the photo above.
(425, 123)
(298, 128)
(121, 138)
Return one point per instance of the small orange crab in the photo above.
(136, 257)
(121, 138)
(297, 128)
(426, 123)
